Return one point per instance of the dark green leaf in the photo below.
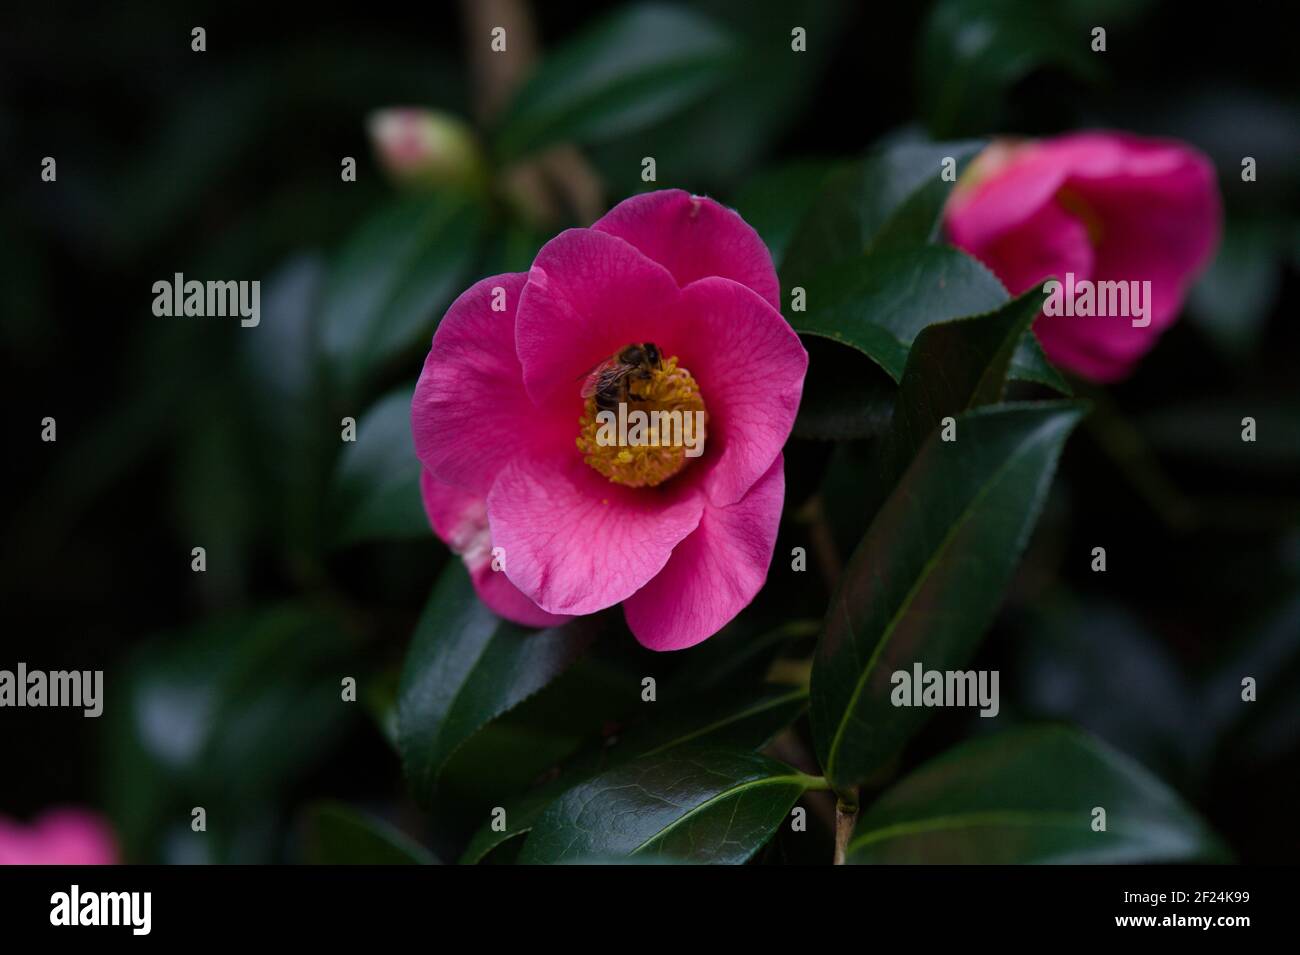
(774, 202)
(879, 303)
(919, 217)
(893, 196)
(928, 576)
(740, 656)
(1030, 364)
(952, 367)
(1265, 729)
(391, 281)
(972, 51)
(845, 395)
(224, 716)
(743, 720)
(466, 666)
(853, 467)
(377, 483)
(696, 804)
(379, 697)
(340, 835)
(1146, 708)
(1027, 796)
(285, 397)
(633, 68)
(717, 141)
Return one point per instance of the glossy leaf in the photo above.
(952, 367)
(926, 580)
(1028, 796)
(377, 483)
(466, 666)
(1029, 363)
(631, 69)
(701, 805)
(845, 395)
(340, 835)
(878, 304)
(389, 285)
(741, 720)
(893, 196)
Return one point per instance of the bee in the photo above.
(609, 382)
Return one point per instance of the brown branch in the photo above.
(559, 182)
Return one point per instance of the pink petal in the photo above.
(1016, 190)
(459, 518)
(1153, 210)
(576, 543)
(694, 237)
(588, 295)
(1163, 230)
(750, 367)
(1159, 211)
(1050, 242)
(714, 573)
(470, 413)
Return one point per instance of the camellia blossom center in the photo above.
(643, 417)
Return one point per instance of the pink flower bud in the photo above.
(420, 147)
(1092, 209)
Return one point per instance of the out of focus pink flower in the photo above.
(58, 837)
(1104, 207)
(422, 147)
(506, 435)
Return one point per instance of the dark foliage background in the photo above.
(222, 687)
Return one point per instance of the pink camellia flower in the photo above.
(669, 304)
(1105, 207)
(59, 837)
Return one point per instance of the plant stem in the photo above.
(846, 817)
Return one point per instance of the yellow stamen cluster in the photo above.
(670, 388)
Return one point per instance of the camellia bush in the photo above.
(643, 472)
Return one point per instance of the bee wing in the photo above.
(602, 375)
(590, 371)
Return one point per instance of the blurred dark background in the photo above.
(222, 686)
